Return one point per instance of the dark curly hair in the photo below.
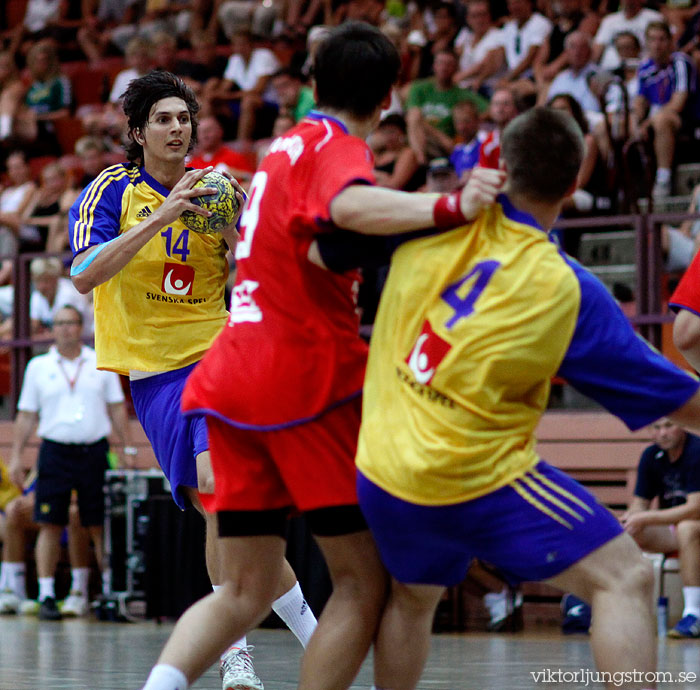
(140, 97)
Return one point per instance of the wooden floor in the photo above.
(90, 655)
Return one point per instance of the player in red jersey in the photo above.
(281, 385)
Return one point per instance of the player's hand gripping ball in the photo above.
(223, 205)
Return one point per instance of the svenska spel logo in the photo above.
(427, 353)
(178, 279)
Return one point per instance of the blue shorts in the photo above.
(177, 440)
(532, 529)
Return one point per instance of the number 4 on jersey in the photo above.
(464, 306)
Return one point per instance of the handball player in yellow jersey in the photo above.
(159, 304)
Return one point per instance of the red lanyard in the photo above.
(71, 381)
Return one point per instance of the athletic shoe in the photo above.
(688, 626)
(9, 602)
(505, 610)
(29, 607)
(75, 605)
(237, 672)
(48, 611)
(661, 189)
(577, 615)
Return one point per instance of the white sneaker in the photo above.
(661, 189)
(9, 602)
(237, 672)
(75, 605)
(29, 607)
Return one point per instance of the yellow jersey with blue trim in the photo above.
(163, 310)
(472, 325)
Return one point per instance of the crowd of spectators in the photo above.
(625, 73)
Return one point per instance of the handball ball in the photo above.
(222, 204)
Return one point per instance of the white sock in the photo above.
(5, 125)
(79, 581)
(46, 588)
(663, 175)
(691, 599)
(296, 613)
(14, 579)
(236, 645)
(165, 677)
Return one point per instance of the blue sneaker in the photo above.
(688, 626)
(577, 615)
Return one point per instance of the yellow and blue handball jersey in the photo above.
(472, 325)
(163, 310)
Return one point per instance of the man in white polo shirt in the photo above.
(75, 406)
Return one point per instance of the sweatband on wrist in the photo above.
(447, 213)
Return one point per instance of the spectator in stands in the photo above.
(441, 177)
(75, 407)
(44, 221)
(522, 35)
(13, 588)
(575, 79)
(15, 198)
(243, 89)
(465, 155)
(666, 100)
(205, 63)
(670, 471)
(139, 61)
(110, 29)
(430, 104)
(633, 17)
(591, 180)
(47, 99)
(395, 163)
(11, 94)
(478, 47)
(51, 293)
(42, 19)
(551, 57)
(91, 153)
(211, 150)
(679, 245)
(442, 37)
(291, 93)
(502, 109)
(255, 16)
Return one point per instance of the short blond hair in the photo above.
(42, 266)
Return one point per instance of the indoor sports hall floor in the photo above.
(90, 655)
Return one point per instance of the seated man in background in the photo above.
(670, 470)
(666, 100)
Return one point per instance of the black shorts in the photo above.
(63, 467)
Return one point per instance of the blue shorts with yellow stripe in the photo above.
(531, 529)
(177, 440)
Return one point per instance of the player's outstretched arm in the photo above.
(98, 264)
(378, 211)
(686, 336)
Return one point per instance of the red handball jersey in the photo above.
(490, 150)
(687, 293)
(291, 348)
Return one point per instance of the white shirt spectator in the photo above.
(41, 310)
(472, 53)
(614, 24)
(517, 41)
(121, 82)
(263, 63)
(70, 396)
(576, 85)
(39, 13)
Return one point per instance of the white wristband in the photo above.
(130, 450)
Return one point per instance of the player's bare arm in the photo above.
(378, 211)
(114, 255)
